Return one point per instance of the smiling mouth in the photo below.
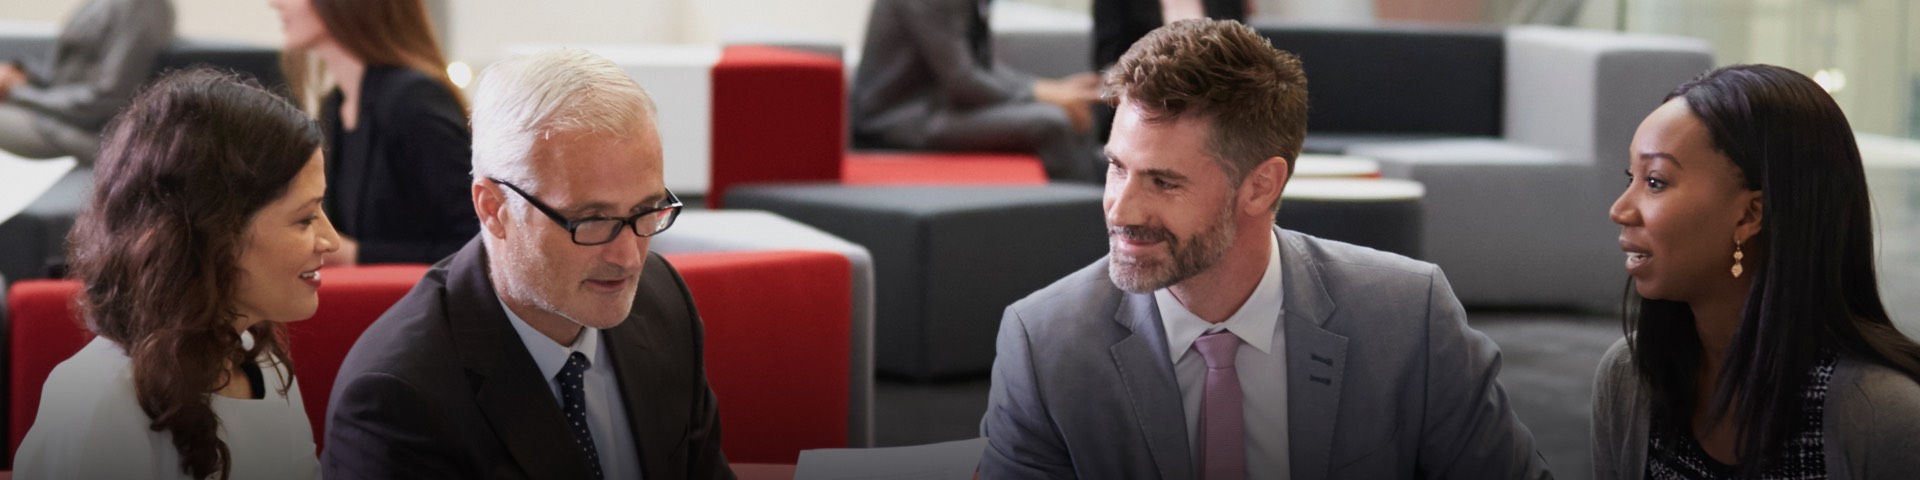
(313, 275)
(1635, 259)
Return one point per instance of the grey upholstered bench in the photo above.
(947, 259)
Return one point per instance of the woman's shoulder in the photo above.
(1873, 415)
(391, 83)
(88, 406)
(1889, 396)
(406, 97)
(1617, 363)
(101, 369)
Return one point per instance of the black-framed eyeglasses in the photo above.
(600, 230)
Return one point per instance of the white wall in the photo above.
(250, 21)
(480, 29)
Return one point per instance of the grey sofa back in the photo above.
(1399, 79)
(261, 63)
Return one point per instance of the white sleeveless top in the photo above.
(90, 425)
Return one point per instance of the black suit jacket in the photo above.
(399, 182)
(442, 387)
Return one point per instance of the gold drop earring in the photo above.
(1737, 270)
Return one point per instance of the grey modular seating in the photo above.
(263, 64)
(1518, 135)
(1380, 214)
(947, 259)
(699, 231)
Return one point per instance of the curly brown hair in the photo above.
(1220, 70)
(182, 173)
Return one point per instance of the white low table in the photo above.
(1316, 165)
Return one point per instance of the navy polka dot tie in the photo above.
(573, 402)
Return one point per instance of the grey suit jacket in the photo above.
(1870, 425)
(1385, 379)
(924, 58)
(99, 61)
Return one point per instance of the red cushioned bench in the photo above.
(777, 343)
(780, 116)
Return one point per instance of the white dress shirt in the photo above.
(1261, 362)
(606, 409)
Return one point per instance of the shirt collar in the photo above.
(549, 355)
(1254, 323)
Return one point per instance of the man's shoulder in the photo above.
(1082, 298)
(1346, 259)
(411, 336)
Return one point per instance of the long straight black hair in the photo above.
(1814, 292)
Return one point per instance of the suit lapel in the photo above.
(1316, 359)
(1148, 374)
(653, 418)
(510, 390)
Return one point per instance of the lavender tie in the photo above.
(1222, 438)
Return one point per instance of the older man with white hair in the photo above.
(554, 345)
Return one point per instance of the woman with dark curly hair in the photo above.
(1757, 345)
(204, 234)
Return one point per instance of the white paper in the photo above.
(22, 180)
(954, 460)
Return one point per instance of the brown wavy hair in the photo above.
(378, 32)
(181, 174)
(1254, 95)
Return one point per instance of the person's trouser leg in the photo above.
(1039, 128)
(20, 136)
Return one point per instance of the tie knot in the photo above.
(1218, 348)
(576, 363)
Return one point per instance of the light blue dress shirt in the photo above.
(606, 409)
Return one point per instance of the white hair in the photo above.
(526, 97)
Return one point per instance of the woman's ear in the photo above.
(1751, 214)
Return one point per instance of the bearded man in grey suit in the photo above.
(1211, 344)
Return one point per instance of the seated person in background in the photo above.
(927, 80)
(1757, 345)
(1212, 344)
(398, 148)
(203, 236)
(102, 56)
(554, 345)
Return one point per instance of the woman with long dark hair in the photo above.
(1757, 346)
(203, 236)
(398, 150)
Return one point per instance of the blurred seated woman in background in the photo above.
(203, 236)
(1757, 345)
(399, 155)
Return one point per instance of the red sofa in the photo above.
(780, 116)
(776, 344)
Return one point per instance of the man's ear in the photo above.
(487, 203)
(1263, 186)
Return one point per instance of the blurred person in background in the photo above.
(398, 148)
(56, 107)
